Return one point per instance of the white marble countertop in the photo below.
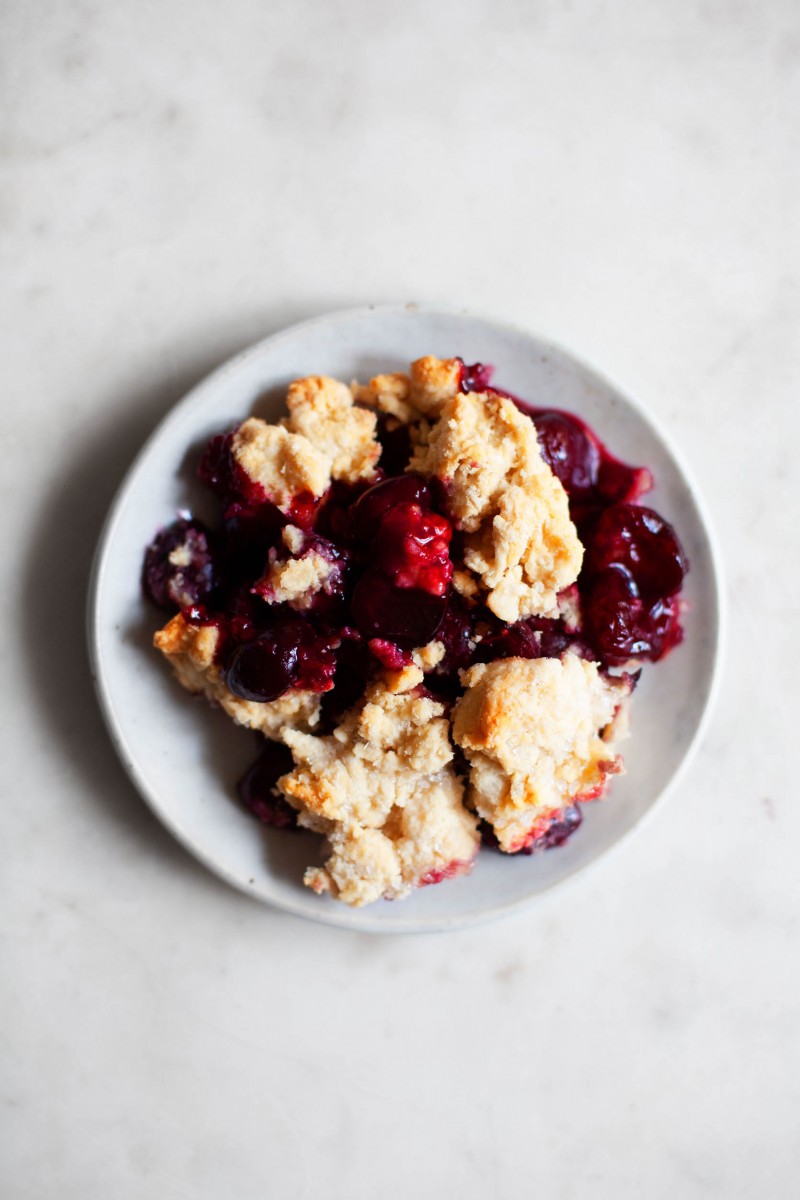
(182, 178)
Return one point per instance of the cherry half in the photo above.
(408, 616)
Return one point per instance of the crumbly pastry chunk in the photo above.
(297, 580)
(532, 730)
(285, 464)
(190, 650)
(428, 657)
(433, 382)
(389, 394)
(322, 410)
(422, 393)
(383, 790)
(521, 543)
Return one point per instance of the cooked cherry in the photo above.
(367, 511)
(389, 654)
(352, 670)
(535, 637)
(638, 539)
(412, 548)
(476, 377)
(258, 792)
(179, 568)
(265, 668)
(215, 468)
(622, 625)
(408, 616)
(457, 634)
(568, 450)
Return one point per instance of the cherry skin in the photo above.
(638, 539)
(622, 625)
(408, 616)
(265, 668)
(372, 505)
(568, 451)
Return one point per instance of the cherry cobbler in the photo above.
(433, 601)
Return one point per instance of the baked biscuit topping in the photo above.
(533, 732)
(284, 464)
(383, 789)
(322, 410)
(397, 569)
(521, 543)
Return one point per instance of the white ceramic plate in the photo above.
(184, 757)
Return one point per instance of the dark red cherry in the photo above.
(179, 568)
(475, 377)
(457, 634)
(220, 472)
(535, 637)
(265, 668)
(367, 511)
(258, 791)
(408, 616)
(620, 624)
(412, 548)
(568, 450)
(638, 539)
(215, 468)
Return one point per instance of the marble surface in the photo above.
(176, 183)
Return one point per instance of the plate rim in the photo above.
(334, 917)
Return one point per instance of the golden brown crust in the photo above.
(285, 464)
(383, 790)
(521, 545)
(322, 410)
(433, 382)
(533, 730)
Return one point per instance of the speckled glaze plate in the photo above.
(185, 757)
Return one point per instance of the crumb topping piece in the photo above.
(298, 579)
(389, 394)
(383, 790)
(532, 730)
(422, 393)
(323, 411)
(191, 651)
(283, 463)
(433, 382)
(520, 541)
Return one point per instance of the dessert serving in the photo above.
(433, 602)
